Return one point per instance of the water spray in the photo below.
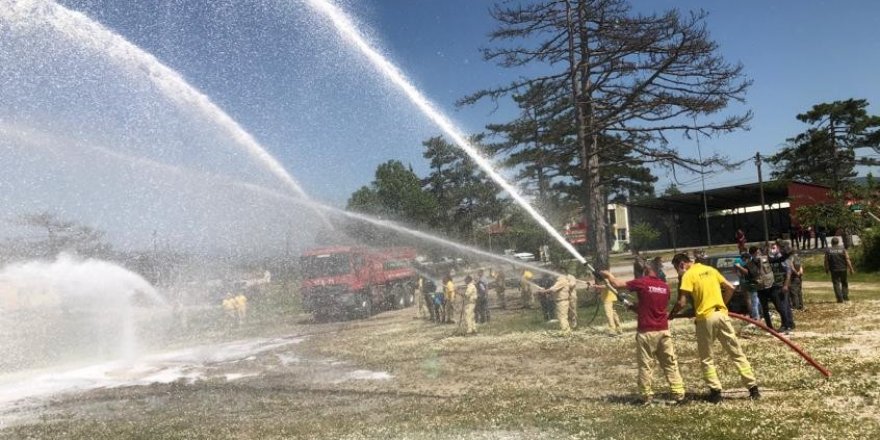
(350, 33)
(92, 35)
(22, 134)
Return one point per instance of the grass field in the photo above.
(517, 379)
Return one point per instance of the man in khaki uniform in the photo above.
(470, 305)
(499, 288)
(653, 339)
(560, 292)
(449, 299)
(421, 306)
(704, 283)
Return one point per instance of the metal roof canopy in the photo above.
(718, 199)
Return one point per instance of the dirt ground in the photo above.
(394, 376)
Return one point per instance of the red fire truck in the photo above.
(359, 281)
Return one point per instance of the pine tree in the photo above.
(827, 152)
(627, 78)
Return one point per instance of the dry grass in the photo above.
(517, 379)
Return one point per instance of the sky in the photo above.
(324, 113)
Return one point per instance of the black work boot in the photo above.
(754, 394)
(714, 396)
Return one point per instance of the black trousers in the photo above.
(841, 286)
(482, 309)
(773, 295)
(548, 307)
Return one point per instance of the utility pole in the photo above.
(763, 206)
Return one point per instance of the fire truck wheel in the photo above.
(366, 305)
(399, 296)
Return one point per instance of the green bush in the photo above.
(869, 258)
(642, 235)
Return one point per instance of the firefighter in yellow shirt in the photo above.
(235, 307)
(470, 303)
(704, 284)
(608, 298)
(241, 307)
(449, 299)
(525, 289)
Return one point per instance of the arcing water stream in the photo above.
(93, 36)
(28, 136)
(350, 33)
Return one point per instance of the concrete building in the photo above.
(681, 221)
(618, 224)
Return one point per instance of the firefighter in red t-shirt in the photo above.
(653, 340)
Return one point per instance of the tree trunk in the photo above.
(589, 143)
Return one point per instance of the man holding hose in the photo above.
(653, 339)
(704, 284)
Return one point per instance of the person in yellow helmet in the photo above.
(449, 299)
(525, 289)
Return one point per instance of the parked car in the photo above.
(524, 256)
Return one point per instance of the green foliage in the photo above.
(832, 215)
(642, 235)
(466, 197)
(396, 194)
(869, 259)
(671, 190)
(826, 153)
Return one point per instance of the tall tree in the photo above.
(59, 235)
(465, 194)
(396, 193)
(827, 152)
(632, 77)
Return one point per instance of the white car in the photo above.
(524, 256)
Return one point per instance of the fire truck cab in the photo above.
(360, 281)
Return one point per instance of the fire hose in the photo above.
(759, 324)
(782, 338)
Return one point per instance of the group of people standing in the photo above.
(772, 275)
(811, 237)
(440, 305)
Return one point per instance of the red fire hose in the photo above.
(799, 351)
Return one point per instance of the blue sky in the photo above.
(326, 115)
(797, 52)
